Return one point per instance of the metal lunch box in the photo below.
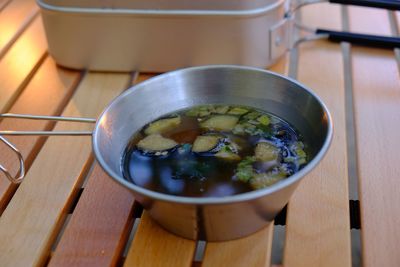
(161, 35)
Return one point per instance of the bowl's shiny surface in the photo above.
(213, 218)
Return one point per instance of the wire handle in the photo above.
(48, 118)
(21, 172)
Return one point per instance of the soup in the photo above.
(213, 151)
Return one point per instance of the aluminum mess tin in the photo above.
(212, 218)
(118, 37)
(162, 4)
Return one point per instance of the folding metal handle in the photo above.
(48, 118)
(21, 172)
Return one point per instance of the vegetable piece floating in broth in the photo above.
(227, 153)
(238, 111)
(266, 152)
(156, 143)
(205, 143)
(162, 125)
(264, 120)
(198, 151)
(220, 123)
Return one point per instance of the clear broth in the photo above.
(185, 173)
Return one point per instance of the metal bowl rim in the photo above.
(214, 200)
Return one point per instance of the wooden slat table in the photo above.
(67, 212)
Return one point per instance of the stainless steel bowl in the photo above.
(212, 218)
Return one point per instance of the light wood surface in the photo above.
(318, 213)
(14, 18)
(20, 62)
(254, 250)
(377, 114)
(46, 94)
(152, 246)
(318, 232)
(99, 226)
(32, 219)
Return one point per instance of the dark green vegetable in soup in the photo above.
(213, 150)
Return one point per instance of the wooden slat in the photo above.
(13, 20)
(318, 231)
(153, 246)
(377, 116)
(20, 62)
(99, 226)
(254, 250)
(362, 20)
(31, 221)
(47, 93)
